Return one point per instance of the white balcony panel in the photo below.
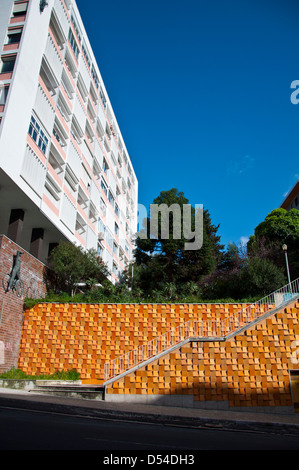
(53, 58)
(108, 259)
(95, 195)
(68, 213)
(112, 183)
(102, 116)
(86, 152)
(84, 73)
(114, 147)
(62, 16)
(44, 109)
(33, 171)
(91, 239)
(98, 153)
(74, 160)
(80, 114)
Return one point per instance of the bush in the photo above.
(18, 374)
(261, 277)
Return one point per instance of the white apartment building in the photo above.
(65, 172)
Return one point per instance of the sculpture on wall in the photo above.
(42, 5)
(12, 281)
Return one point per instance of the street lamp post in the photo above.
(285, 249)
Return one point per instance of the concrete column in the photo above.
(36, 243)
(16, 225)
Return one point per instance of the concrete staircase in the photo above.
(68, 389)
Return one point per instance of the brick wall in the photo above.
(11, 305)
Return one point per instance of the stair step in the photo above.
(90, 395)
(69, 389)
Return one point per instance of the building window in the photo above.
(3, 94)
(116, 210)
(111, 198)
(95, 77)
(14, 36)
(73, 44)
(20, 9)
(116, 229)
(104, 187)
(103, 99)
(38, 135)
(76, 27)
(8, 63)
(86, 54)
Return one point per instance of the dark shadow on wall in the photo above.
(222, 397)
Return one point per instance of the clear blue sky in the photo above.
(201, 91)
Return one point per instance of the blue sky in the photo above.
(201, 91)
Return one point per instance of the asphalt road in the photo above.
(29, 429)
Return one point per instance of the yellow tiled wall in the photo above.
(251, 369)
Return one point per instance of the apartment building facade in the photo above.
(65, 172)
(291, 201)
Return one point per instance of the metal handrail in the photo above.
(214, 329)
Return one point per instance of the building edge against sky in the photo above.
(291, 200)
(65, 172)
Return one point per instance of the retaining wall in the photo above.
(250, 370)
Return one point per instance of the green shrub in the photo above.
(18, 374)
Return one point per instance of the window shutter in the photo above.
(20, 8)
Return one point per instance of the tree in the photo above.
(224, 281)
(164, 262)
(72, 265)
(261, 277)
(279, 227)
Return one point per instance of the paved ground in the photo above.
(279, 423)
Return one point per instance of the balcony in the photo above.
(80, 115)
(102, 117)
(33, 171)
(62, 25)
(74, 160)
(84, 77)
(44, 108)
(68, 214)
(81, 226)
(63, 107)
(53, 57)
(67, 86)
(91, 239)
(82, 203)
(56, 161)
(53, 186)
(71, 63)
(95, 195)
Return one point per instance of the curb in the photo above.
(220, 424)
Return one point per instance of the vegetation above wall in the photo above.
(18, 374)
(121, 295)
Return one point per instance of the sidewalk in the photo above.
(187, 417)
